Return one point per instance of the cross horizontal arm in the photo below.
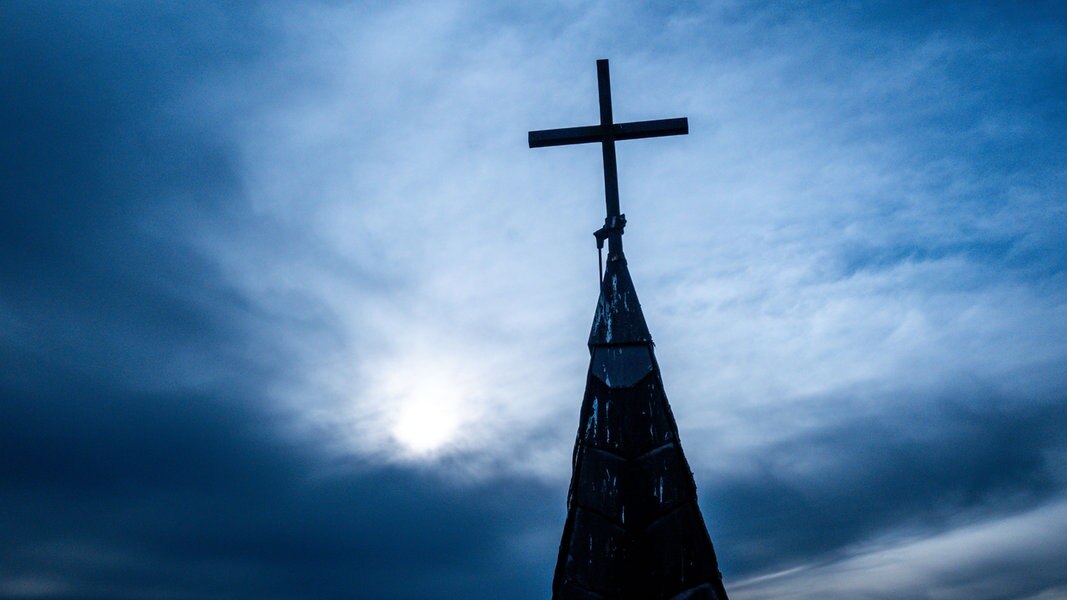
(567, 136)
(646, 129)
(619, 131)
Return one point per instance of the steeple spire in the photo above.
(634, 529)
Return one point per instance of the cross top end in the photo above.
(607, 132)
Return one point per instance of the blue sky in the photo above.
(289, 309)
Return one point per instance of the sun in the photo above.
(429, 404)
(427, 421)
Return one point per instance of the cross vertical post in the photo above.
(611, 168)
(607, 132)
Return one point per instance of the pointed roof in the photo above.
(618, 318)
(634, 529)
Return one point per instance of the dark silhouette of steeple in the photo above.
(634, 529)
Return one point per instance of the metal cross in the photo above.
(606, 133)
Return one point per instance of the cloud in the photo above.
(143, 449)
(1005, 558)
(288, 307)
(188, 496)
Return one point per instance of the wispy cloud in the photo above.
(298, 258)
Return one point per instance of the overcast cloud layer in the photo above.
(288, 309)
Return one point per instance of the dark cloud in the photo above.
(92, 164)
(911, 465)
(118, 495)
(140, 455)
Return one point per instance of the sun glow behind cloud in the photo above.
(429, 400)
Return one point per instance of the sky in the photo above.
(288, 308)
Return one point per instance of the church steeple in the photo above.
(634, 529)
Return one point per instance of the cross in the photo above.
(606, 133)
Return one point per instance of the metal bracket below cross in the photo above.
(611, 224)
